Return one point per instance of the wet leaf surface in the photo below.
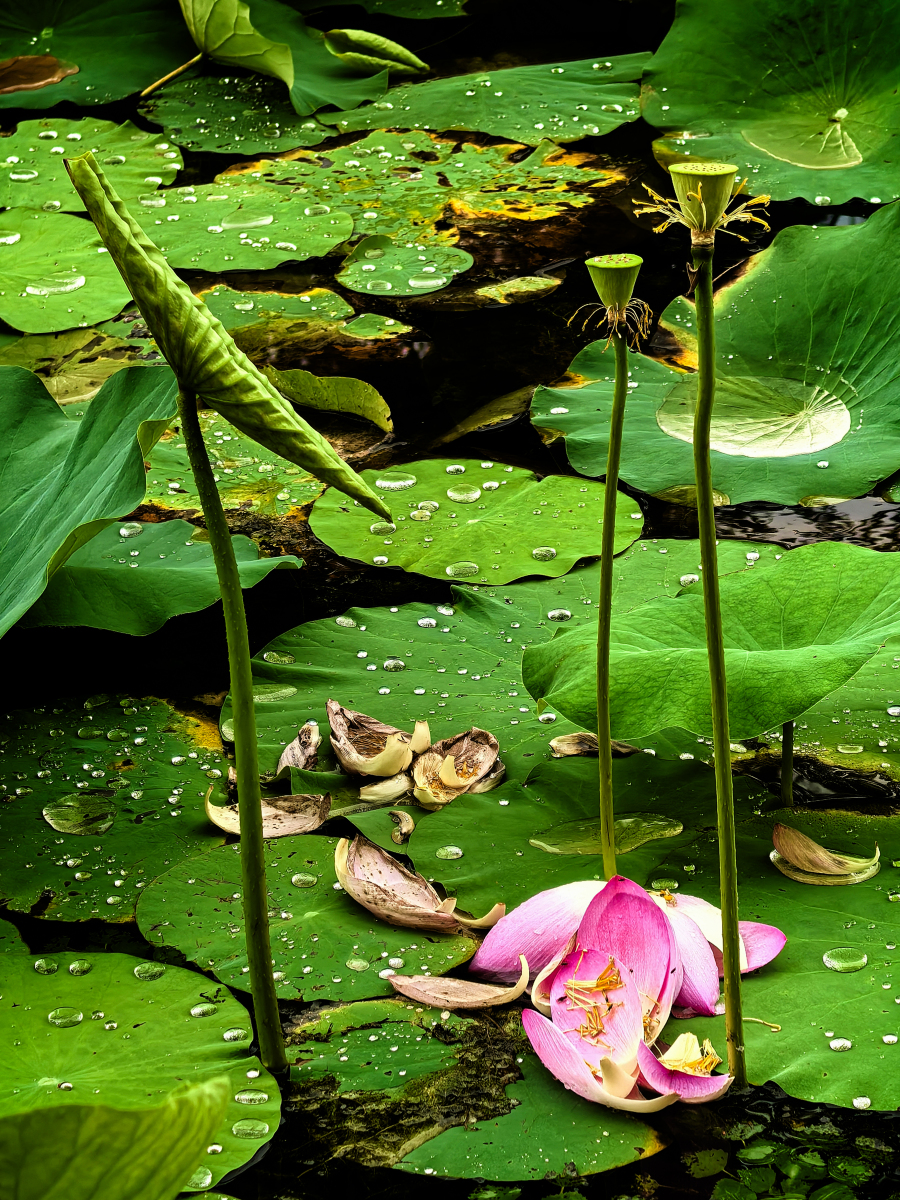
(380, 265)
(74, 365)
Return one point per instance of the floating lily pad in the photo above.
(799, 411)
(110, 1029)
(475, 520)
(134, 586)
(113, 56)
(324, 944)
(233, 225)
(583, 836)
(564, 101)
(100, 797)
(231, 114)
(397, 184)
(247, 475)
(810, 112)
(34, 174)
(793, 633)
(380, 265)
(56, 272)
(838, 1045)
(75, 364)
(64, 481)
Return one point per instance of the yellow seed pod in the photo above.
(614, 277)
(703, 191)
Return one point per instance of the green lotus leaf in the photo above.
(810, 112)
(274, 39)
(148, 1153)
(421, 1059)
(103, 1031)
(232, 225)
(198, 348)
(64, 481)
(370, 52)
(501, 833)
(792, 386)
(849, 1009)
(134, 587)
(334, 394)
(73, 365)
(248, 476)
(416, 186)
(793, 633)
(35, 176)
(324, 944)
(564, 101)
(10, 938)
(379, 265)
(422, 10)
(231, 114)
(114, 57)
(467, 519)
(56, 272)
(138, 768)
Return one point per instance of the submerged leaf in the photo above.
(583, 837)
(447, 992)
(800, 858)
(201, 353)
(28, 72)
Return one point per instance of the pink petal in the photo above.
(539, 929)
(620, 1008)
(763, 943)
(692, 1089)
(626, 922)
(700, 987)
(708, 917)
(562, 1059)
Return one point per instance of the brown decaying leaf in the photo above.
(800, 858)
(443, 991)
(282, 817)
(457, 765)
(28, 72)
(303, 751)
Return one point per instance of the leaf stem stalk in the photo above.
(787, 764)
(715, 645)
(171, 75)
(253, 871)
(604, 614)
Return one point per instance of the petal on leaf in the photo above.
(447, 992)
(692, 1089)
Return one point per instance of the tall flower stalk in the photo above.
(703, 192)
(614, 277)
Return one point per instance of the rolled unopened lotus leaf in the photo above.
(804, 860)
(200, 351)
(359, 48)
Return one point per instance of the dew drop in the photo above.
(460, 570)
(65, 1018)
(249, 1128)
(448, 852)
(395, 481)
(358, 964)
(235, 1034)
(304, 880)
(55, 285)
(204, 1010)
(382, 527)
(148, 971)
(464, 494)
(81, 966)
(251, 1096)
(394, 664)
(845, 959)
(559, 614)
(543, 553)
(46, 966)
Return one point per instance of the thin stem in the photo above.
(171, 75)
(787, 764)
(253, 871)
(604, 615)
(715, 646)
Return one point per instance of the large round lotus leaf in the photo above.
(131, 586)
(838, 1027)
(325, 946)
(246, 473)
(793, 633)
(410, 9)
(233, 225)
(549, 1132)
(492, 523)
(73, 365)
(564, 101)
(116, 53)
(100, 797)
(506, 835)
(231, 114)
(61, 481)
(801, 97)
(414, 186)
(110, 1029)
(799, 412)
(147, 1153)
(380, 265)
(34, 175)
(56, 272)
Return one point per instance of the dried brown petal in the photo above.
(303, 751)
(386, 791)
(386, 888)
(365, 746)
(443, 991)
(804, 860)
(454, 766)
(282, 817)
(405, 825)
(28, 72)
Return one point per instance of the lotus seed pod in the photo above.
(614, 277)
(703, 191)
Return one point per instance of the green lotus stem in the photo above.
(715, 645)
(604, 615)
(787, 764)
(253, 867)
(171, 75)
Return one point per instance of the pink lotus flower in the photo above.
(608, 994)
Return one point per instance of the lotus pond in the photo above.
(448, 600)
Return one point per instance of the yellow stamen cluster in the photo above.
(685, 1054)
(633, 321)
(583, 994)
(675, 214)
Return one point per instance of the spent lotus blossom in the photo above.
(464, 763)
(365, 746)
